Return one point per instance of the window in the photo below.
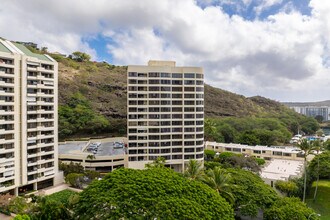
(189, 89)
(165, 75)
(152, 74)
(189, 75)
(257, 152)
(177, 96)
(177, 89)
(176, 75)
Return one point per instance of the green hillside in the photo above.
(92, 97)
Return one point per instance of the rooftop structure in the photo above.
(165, 106)
(28, 119)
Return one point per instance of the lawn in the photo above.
(62, 196)
(322, 202)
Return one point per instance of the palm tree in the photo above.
(219, 180)
(307, 148)
(90, 157)
(209, 129)
(317, 145)
(194, 170)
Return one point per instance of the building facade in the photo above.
(28, 119)
(264, 152)
(165, 106)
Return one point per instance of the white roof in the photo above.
(279, 169)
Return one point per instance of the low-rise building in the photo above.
(102, 155)
(264, 152)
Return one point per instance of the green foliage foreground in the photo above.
(155, 193)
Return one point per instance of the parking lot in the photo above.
(106, 148)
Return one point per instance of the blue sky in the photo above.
(273, 48)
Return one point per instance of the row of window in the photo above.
(165, 89)
(150, 144)
(159, 123)
(166, 82)
(165, 95)
(166, 157)
(168, 137)
(167, 75)
(165, 150)
(157, 102)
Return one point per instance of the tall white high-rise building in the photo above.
(28, 119)
(165, 109)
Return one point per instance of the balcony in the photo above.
(4, 141)
(41, 69)
(7, 93)
(4, 74)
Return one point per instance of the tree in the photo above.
(90, 157)
(307, 149)
(50, 210)
(158, 163)
(80, 56)
(289, 209)
(71, 168)
(319, 118)
(75, 179)
(154, 193)
(219, 180)
(209, 155)
(319, 166)
(250, 191)
(317, 145)
(210, 129)
(194, 170)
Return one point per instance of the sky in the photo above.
(279, 49)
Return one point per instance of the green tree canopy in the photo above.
(149, 194)
(324, 160)
(289, 209)
(250, 192)
(80, 56)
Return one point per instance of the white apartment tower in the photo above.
(28, 119)
(165, 109)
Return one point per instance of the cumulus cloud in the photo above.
(278, 57)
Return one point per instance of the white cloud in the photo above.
(278, 57)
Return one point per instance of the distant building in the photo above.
(28, 119)
(313, 111)
(165, 114)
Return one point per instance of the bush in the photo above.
(22, 217)
(260, 161)
(62, 196)
(289, 188)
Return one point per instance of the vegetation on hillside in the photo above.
(103, 86)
